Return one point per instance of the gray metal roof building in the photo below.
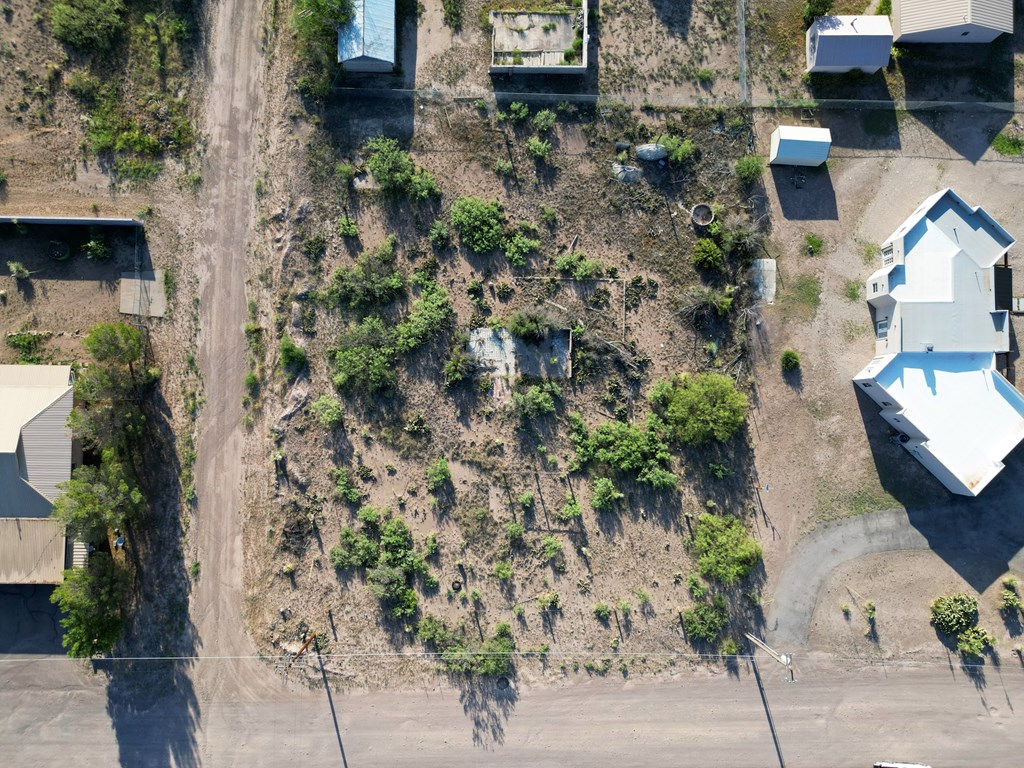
(367, 42)
(845, 43)
(951, 21)
(35, 456)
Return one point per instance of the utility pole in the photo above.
(783, 658)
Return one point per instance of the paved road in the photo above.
(830, 717)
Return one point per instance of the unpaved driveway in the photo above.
(232, 108)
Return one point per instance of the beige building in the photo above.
(951, 21)
(35, 456)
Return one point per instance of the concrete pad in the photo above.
(143, 296)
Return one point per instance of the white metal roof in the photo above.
(800, 145)
(370, 33)
(32, 551)
(861, 42)
(35, 443)
(927, 15)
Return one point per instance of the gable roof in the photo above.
(926, 15)
(370, 33)
(35, 443)
(851, 41)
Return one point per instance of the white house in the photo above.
(940, 309)
(367, 42)
(799, 145)
(35, 455)
(951, 21)
(845, 43)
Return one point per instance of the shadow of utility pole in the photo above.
(334, 714)
(767, 712)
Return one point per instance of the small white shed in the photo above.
(845, 43)
(799, 145)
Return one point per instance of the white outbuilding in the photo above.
(800, 145)
(845, 43)
(951, 21)
(368, 43)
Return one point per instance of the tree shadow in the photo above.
(488, 705)
(794, 379)
(805, 194)
(874, 127)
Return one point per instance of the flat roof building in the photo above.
(549, 41)
(845, 43)
(939, 323)
(951, 21)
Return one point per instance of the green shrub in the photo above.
(549, 215)
(438, 474)
(748, 169)
(884, 8)
(639, 451)
(814, 244)
(624, 607)
(503, 570)
(701, 407)
(328, 411)
(725, 552)
(491, 658)
(974, 641)
(579, 266)
(705, 76)
(538, 148)
(680, 151)
(954, 613)
(526, 500)
(1010, 146)
(517, 112)
(549, 601)
(459, 366)
(815, 8)
(478, 222)
(453, 13)
(354, 550)
(696, 587)
(517, 247)
(1009, 601)
(570, 509)
(251, 382)
(515, 532)
(790, 360)
(91, 601)
(347, 226)
(602, 611)
(396, 172)
(504, 167)
(705, 621)
(293, 358)
(707, 255)
(536, 400)
(604, 494)
(18, 270)
(363, 359)
(344, 487)
(552, 547)
(91, 26)
(439, 235)
(528, 326)
(373, 281)
(96, 249)
(544, 120)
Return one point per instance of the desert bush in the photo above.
(503, 570)
(438, 474)
(815, 8)
(1009, 601)
(479, 223)
(453, 13)
(439, 236)
(748, 169)
(696, 587)
(503, 167)
(362, 360)
(536, 400)
(639, 451)
(293, 358)
(884, 8)
(974, 641)
(97, 249)
(538, 148)
(954, 613)
(680, 151)
(544, 120)
(552, 547)
(814, 244)
(602, 611)
(347, 227)
(344, 487)
(624, 607)
(528, 326)
(396, 172)
(491, 658)
(579, 266)
(515, 532)
(789, 360)
(707, 254)
(705, 621)
(604, 495)
(700, 408)
(91, 26)
(354, 550)
(549, 601)
(725, 551)
(570, 509)
(459, 366)
(18, 270)
(91, 600)
(517, 112)
(328, 411)
(1010, 146)
(517, 247)
(373, 281)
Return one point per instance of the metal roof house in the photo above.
(35, 455)
(367, 42)
(951, 21)
(939, 325)
(845, 43)
(799, 145)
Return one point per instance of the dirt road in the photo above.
(232, 111)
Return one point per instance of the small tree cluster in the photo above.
(705, 621)
(459, 653)
(536, 400)
(91, 600)
(480, 223)
(725, 551)
(373, 281)
(396, 172)
(700, 408)
(625, 448)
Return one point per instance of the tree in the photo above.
(396, 172)
(700, 408)
(815, 8)
(115, 344)
(790, 360)
(89, 25)
(705, 621)
(91, 600)
(316, 21)
(478, 222)
(328, 411)
(725, 552)
(96, 499)
(293, 358)
(707, 254)
(954, 613)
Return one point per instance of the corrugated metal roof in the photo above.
(858, 42)
(32, 551)
(800, 145)
(924, 15)
(370, 33)
(35, 443)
